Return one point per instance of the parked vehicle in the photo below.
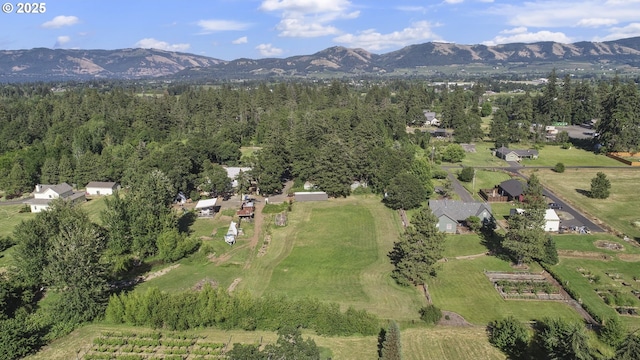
(555, 206)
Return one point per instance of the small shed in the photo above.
(232, 233)
(101, 188)
(206, 207)
(311, 196)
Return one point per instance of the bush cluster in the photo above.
(217, 308)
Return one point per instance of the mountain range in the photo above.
(43, 64)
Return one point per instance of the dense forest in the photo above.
(157, 145)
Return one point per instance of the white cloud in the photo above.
(305, 6)
(151, 43)
(561, 13)
(300, 28)
(268, 50)
(596, 22)
(372, 40)
(210, 26)
(453, 1)
(309, 18)
(628, 31)
(61, 40)
(241, 40)
(528, 37)
(518, 30)
(60, 21)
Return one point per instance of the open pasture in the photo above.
(550, 155)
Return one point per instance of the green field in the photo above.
(619, 211)
(550, 155)
(485, 179)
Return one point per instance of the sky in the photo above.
(232, 29)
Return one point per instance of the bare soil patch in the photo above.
(591, 255)
(609, 245)
(449, 318)
(234, 284)
(158, 273)
(629, 257)
(201, 284)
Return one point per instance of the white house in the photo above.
(101, 188)
(44, 194)
(551, 219)
(233, 172)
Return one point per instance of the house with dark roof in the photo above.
(450, 213)
(513, 189)
(507, 154)
(43, 194)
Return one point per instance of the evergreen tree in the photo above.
(65, 170)
(499, 130)
(600, 186)
(332, 172)
(629, 349)
(612, 331)
(405, 192)
(559, 340)
(49, 171)
(392, 347)
(510, 336)
(525, 237)
(418, 250)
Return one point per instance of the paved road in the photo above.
(15, 201)
(459, 189)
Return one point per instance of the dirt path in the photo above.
(233, 285)
(158, 273)
(467, 257)
(258, 220)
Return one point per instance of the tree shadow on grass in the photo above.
(493, 242)
(584, 192)
(186, 220)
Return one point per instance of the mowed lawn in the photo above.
(550, 155)
(462, 287)
(619, 211)
(337, 251)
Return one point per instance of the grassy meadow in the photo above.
(619, 210)
(550, 155)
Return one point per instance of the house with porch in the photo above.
(513, 189)
(507, 154)
(43, 194)
(451, 213)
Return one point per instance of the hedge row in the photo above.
(218, 308)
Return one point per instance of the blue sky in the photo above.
(231, 29)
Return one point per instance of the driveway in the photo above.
(459, 189)
(578, 218)
(15, 201)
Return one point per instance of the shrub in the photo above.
(559, 168)
(510, 336)
(473, 223)
(430, 314)
(466, 174)
(439, 174)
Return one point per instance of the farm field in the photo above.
(619, 211)
(417, 343)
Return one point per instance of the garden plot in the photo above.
(524, 286)
(152, 345)
(617, 292)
